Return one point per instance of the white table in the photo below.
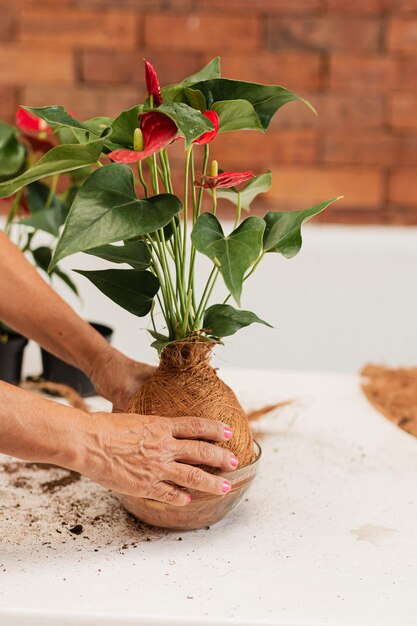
(326, 536)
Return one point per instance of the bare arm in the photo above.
(30, 306)
(136, 455)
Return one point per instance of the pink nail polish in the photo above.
(226, 486)
(227, 432)
(234, 462)
(188, 498)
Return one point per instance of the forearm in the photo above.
(30, 306)
(35, 429)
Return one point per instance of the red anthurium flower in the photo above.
(152, 83)
(28, 122)
(158, 130)
(224, 180)
(210, 134)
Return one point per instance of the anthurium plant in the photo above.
(35, 207)
(127, 198)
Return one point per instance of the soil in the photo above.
(49, 506)
(393, 392)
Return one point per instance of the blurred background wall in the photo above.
(355, 60)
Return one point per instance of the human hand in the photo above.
(151, 457)
(117, 377)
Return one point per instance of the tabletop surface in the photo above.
(326, 535)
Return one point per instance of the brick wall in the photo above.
(355, 60)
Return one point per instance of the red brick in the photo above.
(359, 72)
(21, 65)
(371, 7)
(298, 187)
(85, 102)
(8, 103)
(79, 27)
(8, 22)
(291, 7)
(255, 150)
(325, 33)
(370, 148)
(403, 187)
(292, 69)
(402, 111)
(342, 111)
(402, 35)
(202, 31)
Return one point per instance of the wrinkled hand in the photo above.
(143, 456)
(117, 378)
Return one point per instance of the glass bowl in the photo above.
(204, 509)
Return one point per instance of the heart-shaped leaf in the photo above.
(49, 220)
(233, 254)
(106, 209)
(223, 320)
(133, 290)
(283, 229)
(265, 99)
(190, 122)
(60, 120)
(175, 92)
(259, 184)
(236, 115)
(134, 253)
(58, 160)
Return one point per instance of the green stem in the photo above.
(238, 210)
(142, 179)
(184, 244)
(52, 190)
(13, 210)
(206, 294)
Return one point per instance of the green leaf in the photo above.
(56, 116)
(133, 290)
(12, 153)
(106, 210)
(259, 184)
(283, 229)
(124, 126)
(233, 254)
(195, 99)
(49, 220)
(98, 125)
(209, 71)
(60, 159)
(59, 119)
(223, 320)
(190, 123)
(175, 92)
(66, 279)
(134, 253)
(236, 115)
(265, 99)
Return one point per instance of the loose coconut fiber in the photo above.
(394, 393)
(186, 384)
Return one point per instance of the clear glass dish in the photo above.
(204, 509)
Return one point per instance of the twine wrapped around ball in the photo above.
(186, 384)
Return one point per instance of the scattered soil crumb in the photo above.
(393, 392)
(44, 507)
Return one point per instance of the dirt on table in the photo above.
(393, 392)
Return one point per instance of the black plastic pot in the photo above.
(57, 371)
(11, 355)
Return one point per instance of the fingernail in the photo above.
(226, 486)
(234, 462)
(227, 432)
(188, 498)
